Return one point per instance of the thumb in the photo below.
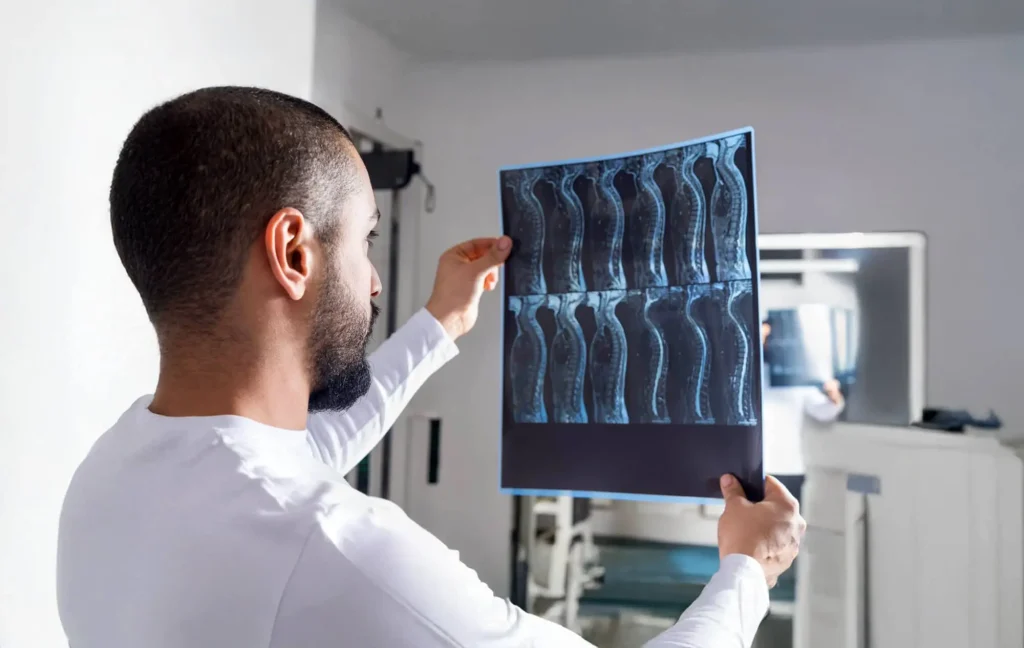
(495, 256)
(775, 491)
(732, 490)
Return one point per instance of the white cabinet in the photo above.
(943, 538)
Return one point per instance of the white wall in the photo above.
(917, 136)
(76, 345)
(354, 67)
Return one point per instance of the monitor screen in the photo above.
(849, 308)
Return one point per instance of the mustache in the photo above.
(374, 313)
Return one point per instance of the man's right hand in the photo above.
(769, 531)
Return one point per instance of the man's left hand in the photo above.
(464, 272)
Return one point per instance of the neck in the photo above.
(214, 378)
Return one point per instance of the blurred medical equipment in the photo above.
(561, 557)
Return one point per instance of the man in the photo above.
(790, 412)
(215, 512)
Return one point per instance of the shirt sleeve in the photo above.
(728, 612)
(399, 367)
(376, 578)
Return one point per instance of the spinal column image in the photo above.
(632, 346)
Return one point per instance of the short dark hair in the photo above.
(199, 177)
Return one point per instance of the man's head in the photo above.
(244, 215)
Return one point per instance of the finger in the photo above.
(496, 255)
(473, 249)
(776, 492)
(732, 491)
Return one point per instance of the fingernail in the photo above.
(727, 481)
(504, 243)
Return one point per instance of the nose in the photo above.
(375, 285)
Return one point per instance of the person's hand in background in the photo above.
(834, 391)
(769, 531)
(464, 272)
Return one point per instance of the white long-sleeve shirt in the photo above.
(222, 532)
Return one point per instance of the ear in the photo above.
(287, 241)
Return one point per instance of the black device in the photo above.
(391, 169)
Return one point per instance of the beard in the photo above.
(338, 340)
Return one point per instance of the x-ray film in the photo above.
(632, 353)
(810, 345)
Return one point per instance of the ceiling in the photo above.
(533, 29)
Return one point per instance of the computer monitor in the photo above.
(849, 307)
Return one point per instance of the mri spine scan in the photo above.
(737, 295)
(566, 223)
(608, 359)
(676, 347)
(647, 223)
(568, 360)
(698, 396)
(527, 229)
(528, 361)
(653, 358)
(687, 219)
(729, 212)
(608, 220)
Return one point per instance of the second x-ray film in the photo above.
(632, 353)
(809, 345)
